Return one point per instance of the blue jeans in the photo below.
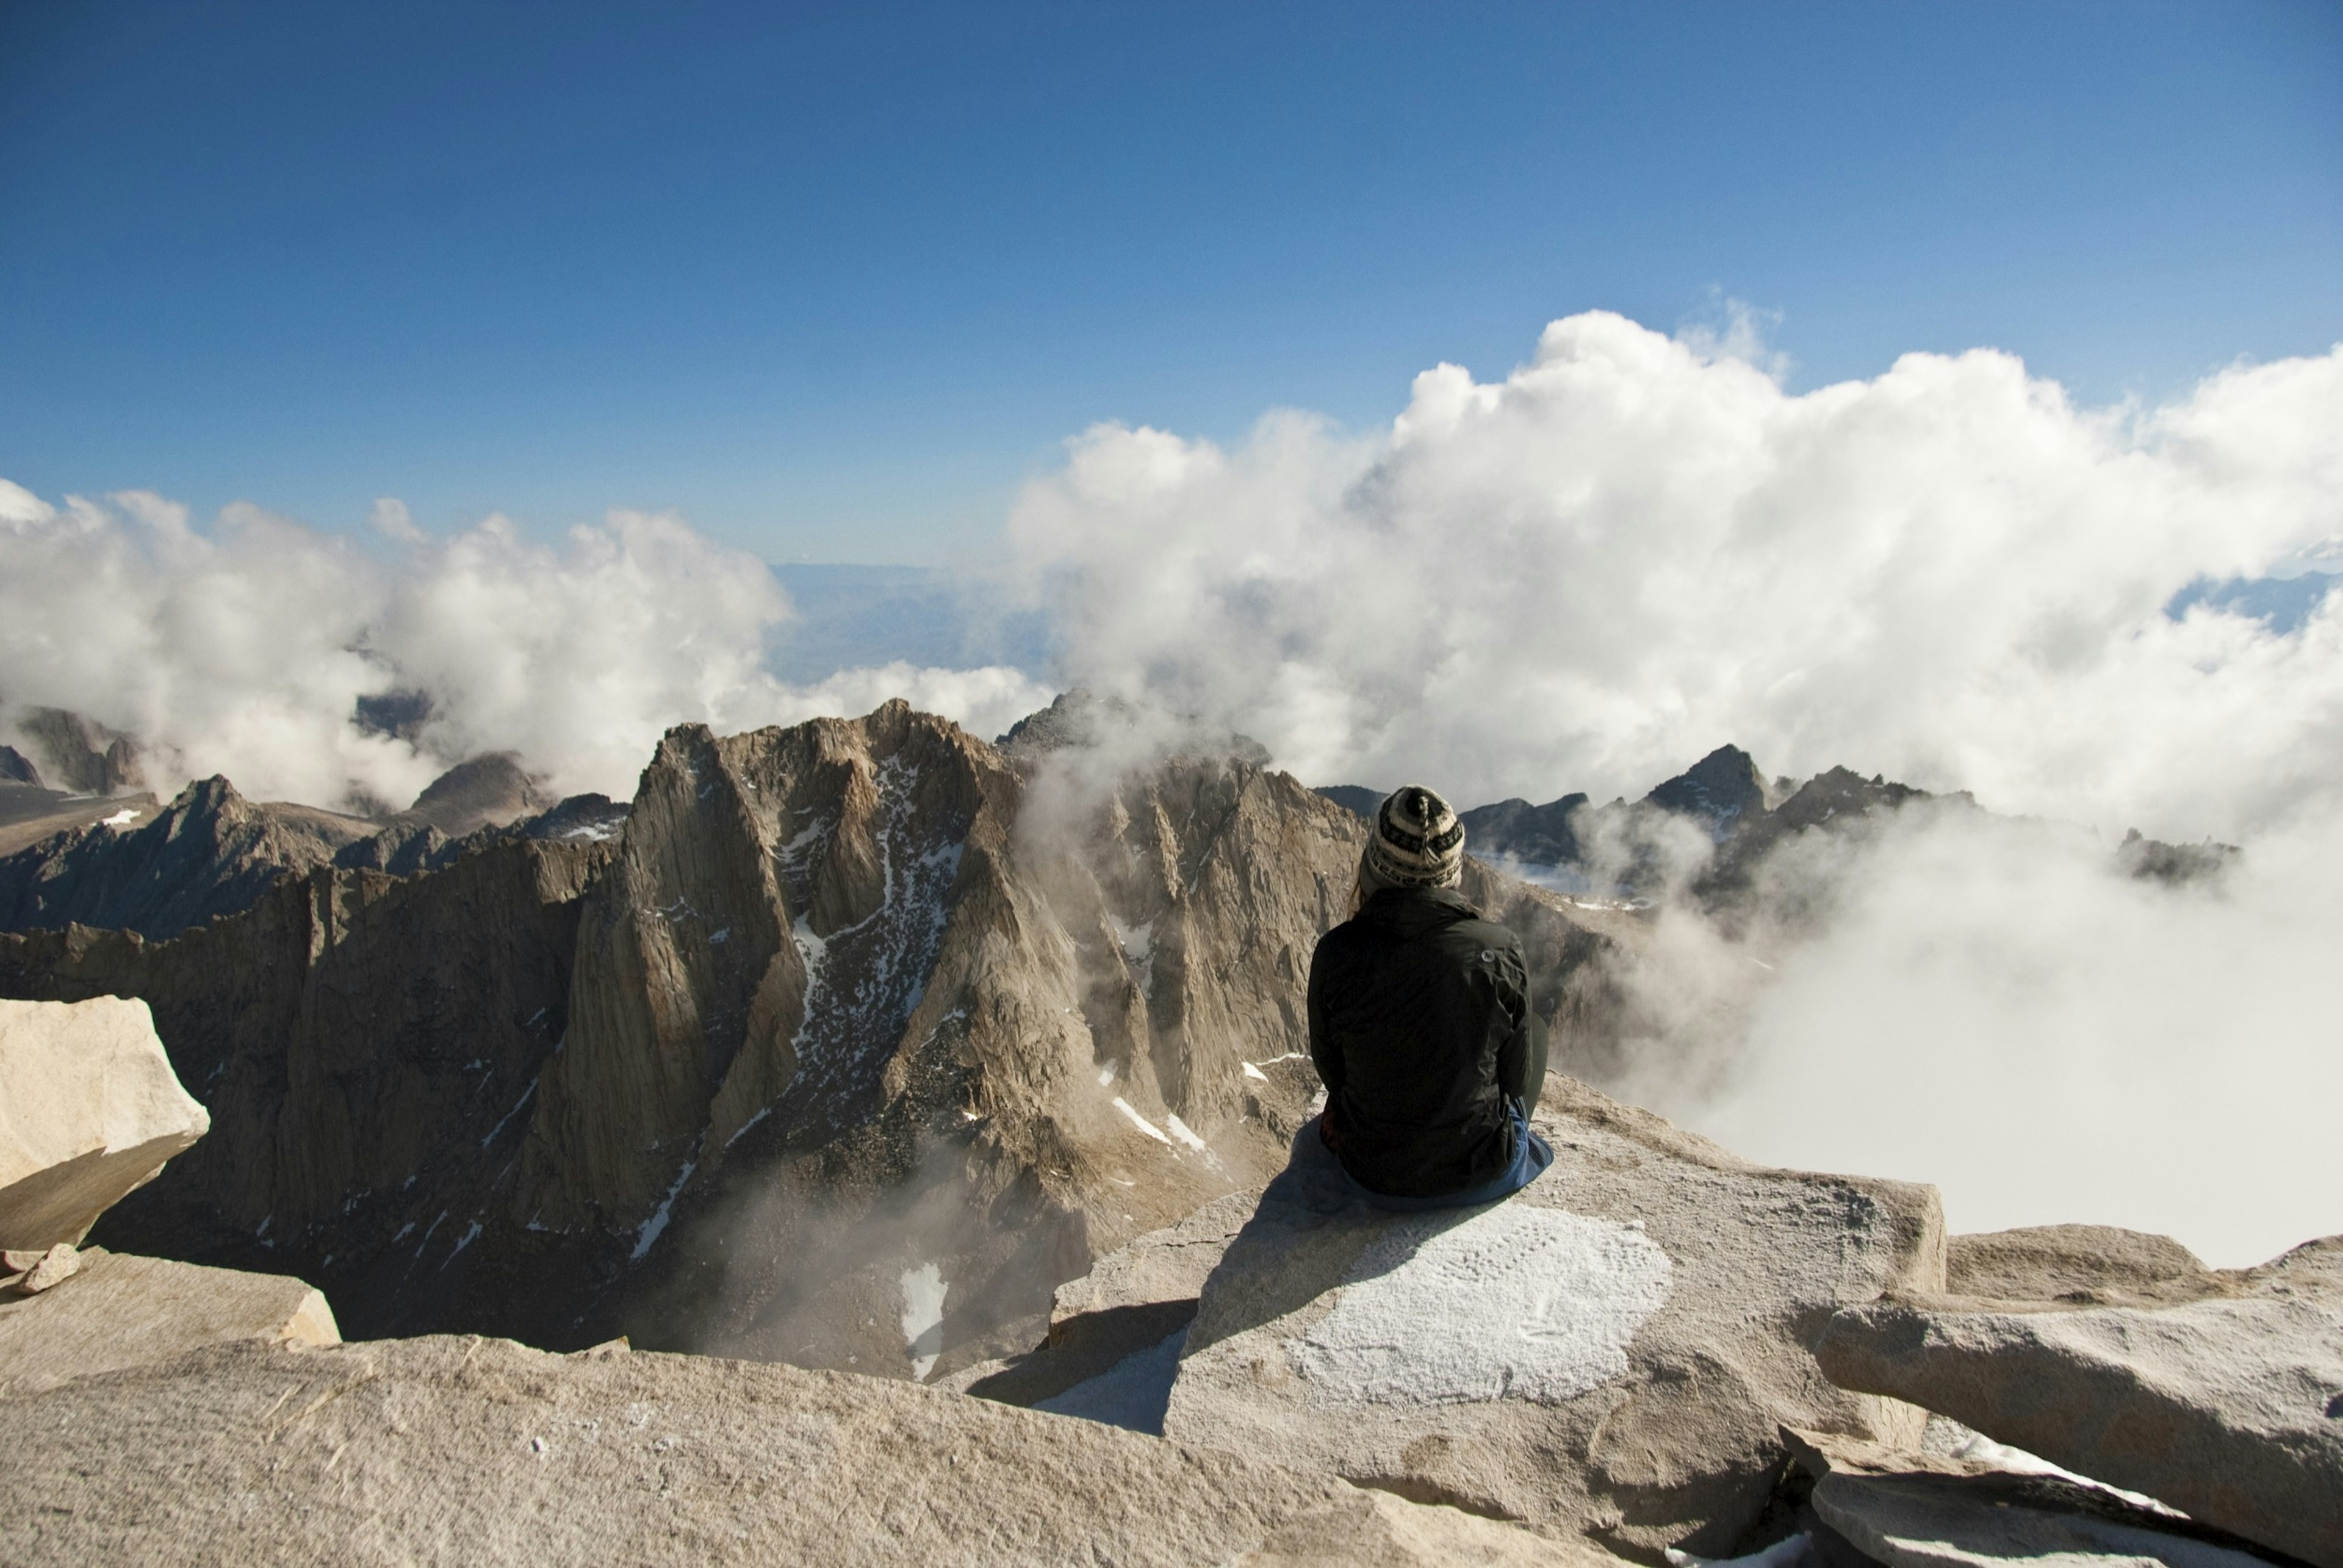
(1532, 1155)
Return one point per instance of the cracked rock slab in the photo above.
(1956, 1522)
(2228, 1407)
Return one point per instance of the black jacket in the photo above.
(1421, 1027)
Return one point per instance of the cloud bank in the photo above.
(244, 649)
(1630, 552)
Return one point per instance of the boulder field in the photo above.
(1612, 1351)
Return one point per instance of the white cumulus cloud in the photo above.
(1629, 551)
(243, 649)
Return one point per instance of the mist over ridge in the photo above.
(1581, 578)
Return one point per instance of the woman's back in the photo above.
(1419, 1023)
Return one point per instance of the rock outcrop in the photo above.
(1931, 1522)
(1612, 1350)
(845, 1044)
(1720, 791)
(491, 791)
(2228, 1407)
(1514, 830)
(89, 1110)
(451, 1450)
(120, 1311)
(1115, 1337)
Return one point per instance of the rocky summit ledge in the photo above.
(475, 1451)
(1612, 1350)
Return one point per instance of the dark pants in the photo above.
(1532, 1155)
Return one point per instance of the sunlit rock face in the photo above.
(855, 1039)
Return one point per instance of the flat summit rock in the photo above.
(1612, 1350)
(121, 1310)
(2228, 1407)
(483, 1452)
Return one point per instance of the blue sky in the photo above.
(832, 281)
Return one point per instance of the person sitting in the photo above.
(1421, 1026)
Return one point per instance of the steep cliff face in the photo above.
(857, 1039)
(868, 1007)
(365, 1045)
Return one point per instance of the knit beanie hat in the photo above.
(1417, 842)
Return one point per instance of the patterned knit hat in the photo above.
(1417, 842)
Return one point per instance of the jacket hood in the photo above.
(1410, 912)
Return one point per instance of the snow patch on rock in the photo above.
(923, 1317)
(1140, 1121)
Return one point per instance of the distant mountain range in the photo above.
(1744, 816)
(125, 864)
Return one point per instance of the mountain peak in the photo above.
(489, 791)
(1721, 789)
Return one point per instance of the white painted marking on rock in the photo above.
(924, 1289)
(1513, 1302)
(1140, 1122)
